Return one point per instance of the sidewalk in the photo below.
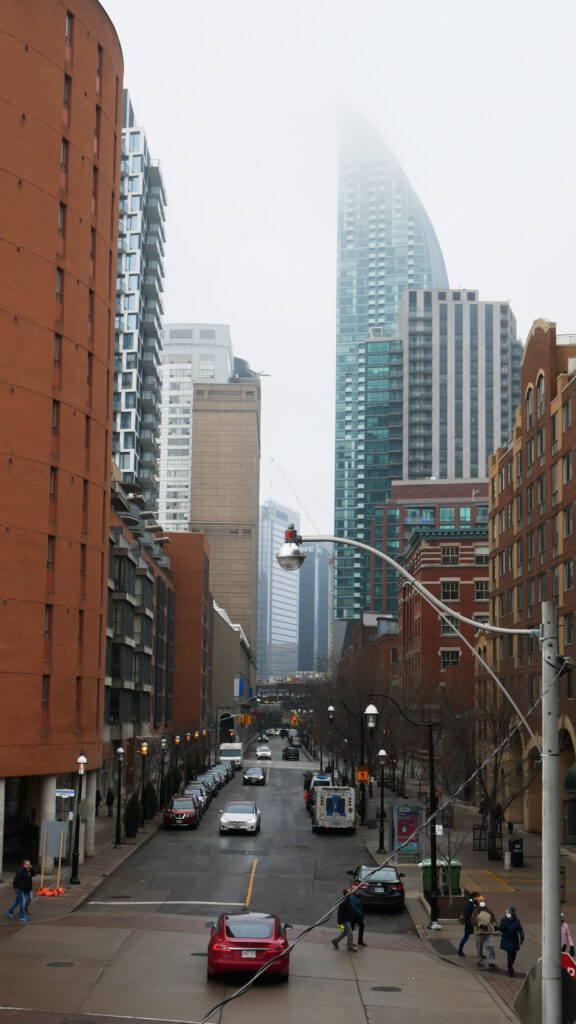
(91, 873)
(519, 887)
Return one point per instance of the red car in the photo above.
(181, 812)
(245, 942)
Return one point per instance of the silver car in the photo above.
(240, 816)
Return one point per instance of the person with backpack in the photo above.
(484, 925)
(512, 937)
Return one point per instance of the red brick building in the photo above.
(60, 110)
(453, 566)
(532, 557)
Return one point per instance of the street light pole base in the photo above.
(74, 881)
(381, 849)
(434, 926)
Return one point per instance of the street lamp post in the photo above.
(362, 766)
(331, 717)
(163, 745)
(203, 750)
(74, 880)
(120, 762)
(144, 753)
(381, 847)
(371, 719)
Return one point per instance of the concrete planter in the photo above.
(451, 908)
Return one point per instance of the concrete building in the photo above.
(234, 679)
(278, 596)
(532, 556)
(225, 493)
(139, 311)
(60, 122)
(191, 353)
(386, 244)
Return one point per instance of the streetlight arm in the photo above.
(416, 584)
(400, 708)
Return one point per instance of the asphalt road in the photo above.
(286, 868)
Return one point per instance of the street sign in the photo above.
(362, 775)
(439, 830)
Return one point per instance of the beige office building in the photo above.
(225, 492)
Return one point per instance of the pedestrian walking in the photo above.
(345, 919)
(469, 909)
(110, 801)
(22, 884)
(358, 911)
(512, 937)
(565, 936)
(484, 925)
(98, 801)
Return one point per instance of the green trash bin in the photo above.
(447, 876)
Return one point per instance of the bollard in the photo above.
(507, 860)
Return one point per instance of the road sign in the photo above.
(362, 775)
(439, 830)
(569, 964)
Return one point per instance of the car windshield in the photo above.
(238, 928)
(254, 771)
(238, 808)
(382, 875)
(182, 805)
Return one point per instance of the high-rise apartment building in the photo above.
(278, 596)
(386, 244)
(191, 353)
(139, 311)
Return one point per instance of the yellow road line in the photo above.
(250, 884)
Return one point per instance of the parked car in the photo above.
(254, 777)
(204, 785)
(181, 812)
(193, 789)
(246, 942)
(290, 754)
(263, 752)
(380, 887)
(240, 816)
(209, 781)
(227, 767)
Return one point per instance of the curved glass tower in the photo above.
(386, 244)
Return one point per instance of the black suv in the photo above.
(290, 754)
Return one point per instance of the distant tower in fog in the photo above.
(278, 596)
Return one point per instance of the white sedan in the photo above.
(263, 751)
(240, 816)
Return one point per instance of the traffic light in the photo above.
(294, 719)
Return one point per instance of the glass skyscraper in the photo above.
(386, 244)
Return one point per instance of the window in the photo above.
(518, 509)
(448, 625)
(567, 467)
(99, 59)
(566, 415)
(529, 455)
(205, 367)
(449, 555)
(540, 396)
(568, 521)
(480, 555)
(449, 590)
(541, 493)
(481, 590)
(449, 658)
(45, 694)
(447, 518)
(569, 628)
(542, 543)
(69, 29)
(529, 409)
(519, 556)
(135, 241)
(554, 432)
(554, 480)
(57, 353)
(135, 141)
(569, 574)
(64, 151)
(66, 96)
(61, 220)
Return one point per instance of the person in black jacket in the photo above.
(469, 909)
(346, 919)
(22, 883)
(512, 938)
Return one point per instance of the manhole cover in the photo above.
(62, 963)
(386, 988)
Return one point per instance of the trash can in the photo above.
(455, 868)
(426, 876)
(447, 876)
(516, 848)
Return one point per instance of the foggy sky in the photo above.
(239, 100)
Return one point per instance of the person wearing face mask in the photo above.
(512, 937)
(484, 924)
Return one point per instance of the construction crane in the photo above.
(287, 480)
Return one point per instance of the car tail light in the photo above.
(223, 948)
(398, 887)
(364, 885)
